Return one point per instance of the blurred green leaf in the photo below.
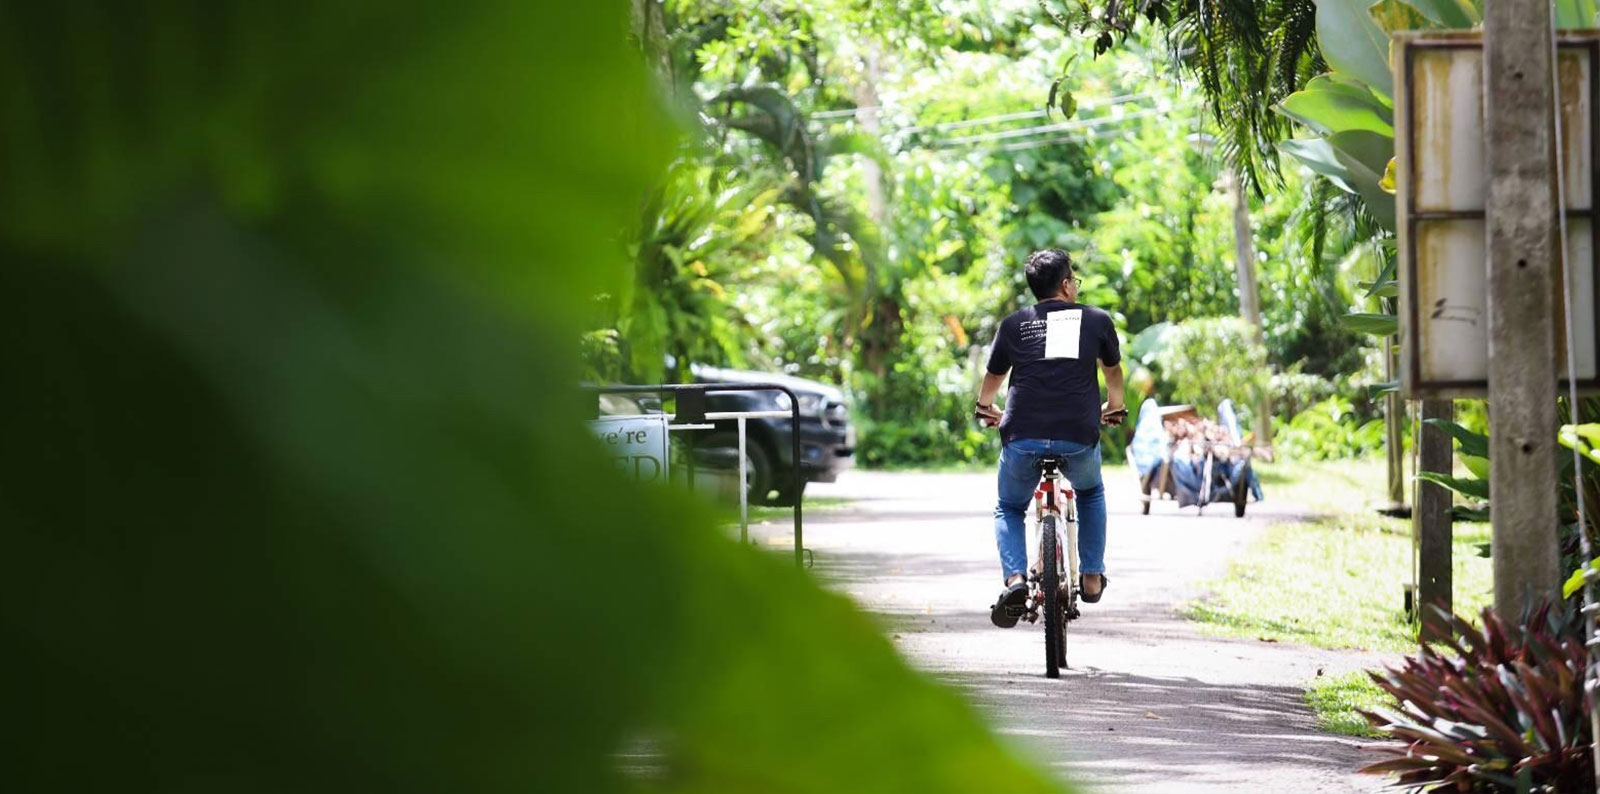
(1575, 14)
(1370, 323)
(1353, 43)
(299, 495)
(1477, 489)
(1471, 443)
(1448, 13)
(1394, 16)
(1318, 155)
(1366, 156)
(1377, 390)
(1380, 289)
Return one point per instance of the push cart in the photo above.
(1192, 460)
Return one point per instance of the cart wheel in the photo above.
(1241, 495)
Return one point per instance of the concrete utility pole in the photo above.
(1244, 251)
(1523, 281)
(1431, 521)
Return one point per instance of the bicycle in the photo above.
(1056, 517)
(1056, 523)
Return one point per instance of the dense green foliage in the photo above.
(863, 184)
(297, 495)
(1329, 430)
(1213, 359)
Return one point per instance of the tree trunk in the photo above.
(1249, 296)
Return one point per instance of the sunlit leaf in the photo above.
(1387, 182)
(1394, 16)
(1575, 14)
(1447, 13)
(1332, 103)
(1574, 583)
(1353, 43)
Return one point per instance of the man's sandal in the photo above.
(1105, 581)
(1010, 606)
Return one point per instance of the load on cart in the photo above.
(1193, 460)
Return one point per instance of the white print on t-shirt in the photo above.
(1061, 333)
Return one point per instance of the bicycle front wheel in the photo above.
(1050, 581)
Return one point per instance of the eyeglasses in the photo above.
(1076, 282)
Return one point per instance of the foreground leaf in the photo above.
(299, 496)
(1369, 323)
(1477, 489)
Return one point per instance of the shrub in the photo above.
(1505, 712)
(1211, 359)
(1293, 392)
(1329, 430)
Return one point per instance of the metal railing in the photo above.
(690, 414)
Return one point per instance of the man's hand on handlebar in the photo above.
(987, 415)
(1113, 416)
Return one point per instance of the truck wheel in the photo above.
(758, 464)
(785, 487)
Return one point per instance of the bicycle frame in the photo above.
(1054, 496)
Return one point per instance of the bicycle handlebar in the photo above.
(989, 416)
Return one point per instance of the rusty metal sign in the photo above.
(1439, 181)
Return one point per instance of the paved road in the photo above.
(1150, 705)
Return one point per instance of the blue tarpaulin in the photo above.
(1151, 445)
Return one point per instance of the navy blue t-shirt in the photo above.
(1055, 385)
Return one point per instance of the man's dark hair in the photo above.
(1046, 270)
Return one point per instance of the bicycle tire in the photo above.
(1050, 582)
(1147, 484)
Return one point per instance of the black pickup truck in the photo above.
(827, 439)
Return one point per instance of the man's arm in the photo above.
(985, 411)
(990, 388)
(1114, 395)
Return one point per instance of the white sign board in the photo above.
(1439, 180)
(637, 445)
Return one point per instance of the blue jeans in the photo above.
(1019, 476)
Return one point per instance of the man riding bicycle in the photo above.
(1052, 409)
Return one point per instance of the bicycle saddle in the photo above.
(1050, 464)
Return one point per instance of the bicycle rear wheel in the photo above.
(1055, 651)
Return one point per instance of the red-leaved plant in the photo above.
(1494, 710)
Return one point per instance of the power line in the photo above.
(949, 125)
(1041, 142)
(1101, 127)
(1060, 127)
(1032, 114)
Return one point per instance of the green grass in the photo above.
(759, 513)
(1333, 583)
(1336, 581)
(1336, 698)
